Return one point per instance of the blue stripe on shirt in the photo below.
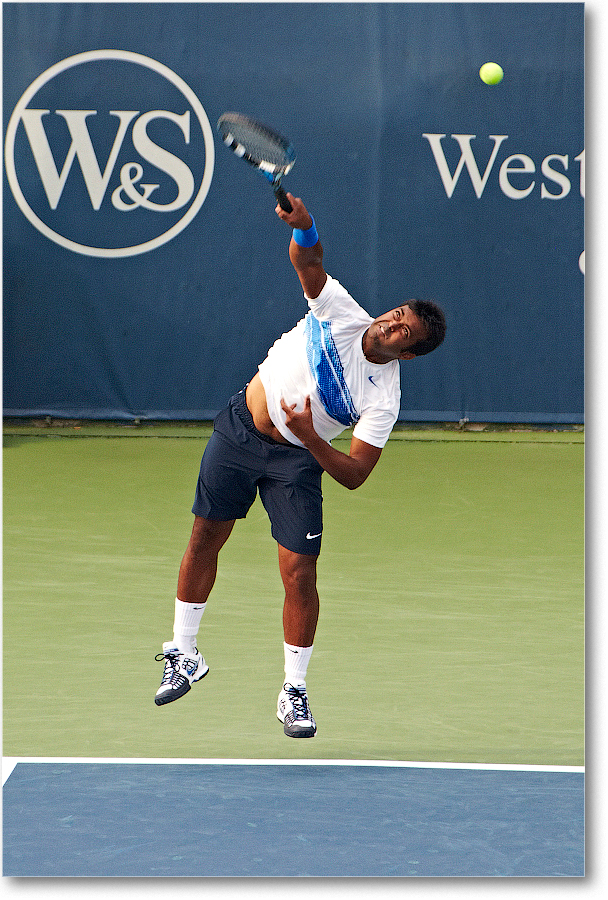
(327, 370)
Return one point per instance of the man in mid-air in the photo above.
(337, 368)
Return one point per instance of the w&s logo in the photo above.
(109, 153)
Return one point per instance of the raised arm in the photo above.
(306, 260)
(306, 254)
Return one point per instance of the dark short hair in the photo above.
(432, 317)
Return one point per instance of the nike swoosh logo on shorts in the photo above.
(309, 536)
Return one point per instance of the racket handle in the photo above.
(282, 198)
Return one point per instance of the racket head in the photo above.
(257, 144)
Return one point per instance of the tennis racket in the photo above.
(261, 147)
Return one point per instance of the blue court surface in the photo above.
(92, 818)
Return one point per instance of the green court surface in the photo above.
(452, 609)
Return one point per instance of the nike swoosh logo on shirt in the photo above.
(371, 378)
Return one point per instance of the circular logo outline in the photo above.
(138, 59)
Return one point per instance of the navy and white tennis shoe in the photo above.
(294, 712)
(181, 671)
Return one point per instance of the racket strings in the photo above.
(256, 143)
(259, 147)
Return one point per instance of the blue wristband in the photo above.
(306, 238)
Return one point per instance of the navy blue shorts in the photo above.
(239, 461)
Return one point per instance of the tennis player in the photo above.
(335, 369)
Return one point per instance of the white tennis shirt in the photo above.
(322, 357)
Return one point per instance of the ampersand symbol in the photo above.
(130, 174)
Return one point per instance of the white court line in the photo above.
(9, 763)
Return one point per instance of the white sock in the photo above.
(296, 664)
(186, 624)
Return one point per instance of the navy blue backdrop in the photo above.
(145, 271)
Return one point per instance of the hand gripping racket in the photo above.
(261, 147)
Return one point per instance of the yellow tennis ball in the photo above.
(491, 73)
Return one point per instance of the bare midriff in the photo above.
(255, 397)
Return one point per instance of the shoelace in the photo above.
(171, 666)
(299, 701)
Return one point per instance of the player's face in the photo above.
(392, 334)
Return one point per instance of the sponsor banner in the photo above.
(183, 177)
(145, 273)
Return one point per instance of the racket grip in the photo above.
(281, 196)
